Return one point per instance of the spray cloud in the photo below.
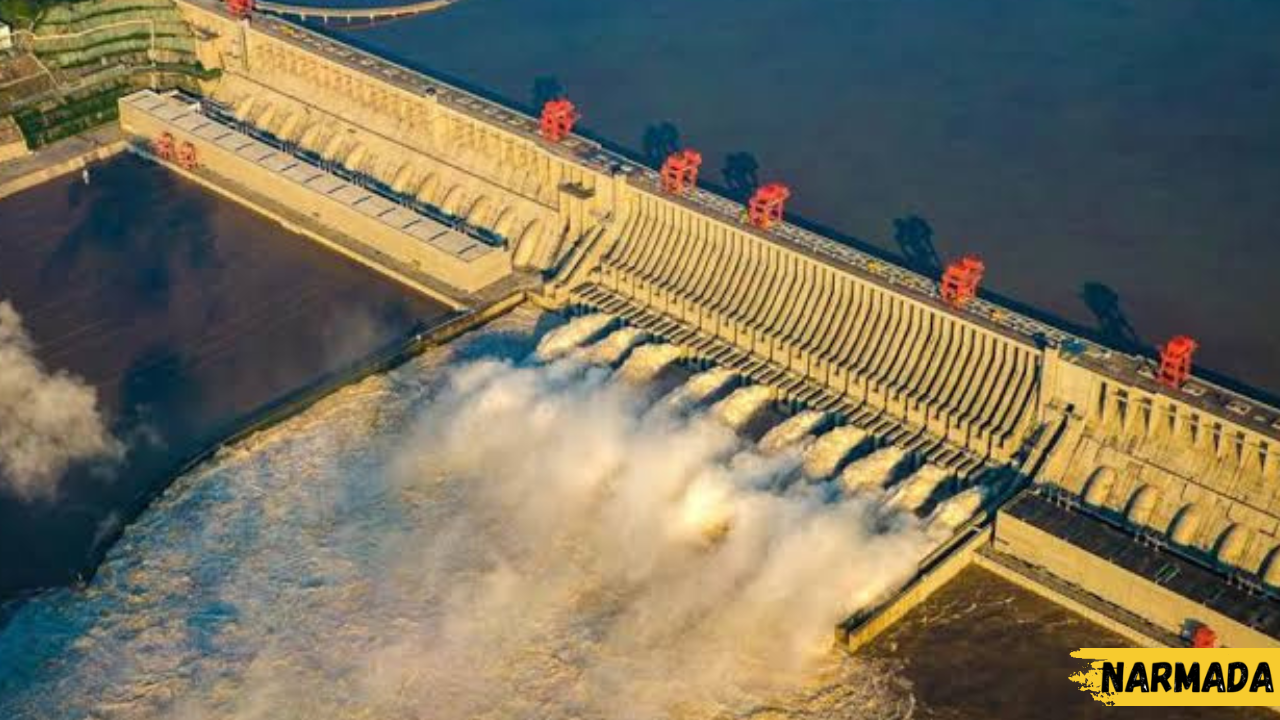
(47, 420)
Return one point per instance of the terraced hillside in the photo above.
(82, 56)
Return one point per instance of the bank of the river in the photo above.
(66, 156)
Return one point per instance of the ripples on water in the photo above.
(481, 541)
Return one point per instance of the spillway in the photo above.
(413, 541)
(872, 472)
(792, 431)
(613, 348)
(647, 361)
(742, 405)
(571, 335)
(916, 489)
(831, 450)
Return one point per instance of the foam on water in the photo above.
(486, 540)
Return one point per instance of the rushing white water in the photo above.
(914, 491)
(791, 431)
(647, 361)
(698, 388)
(871, 472)
(613, 348)
(826, 454)
(742, 405)
(572, 334)
(957, 510)
(490, 540)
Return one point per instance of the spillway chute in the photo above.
(573, 334)
(825, 456)
(792, 431)
(916, 490)
(647, 361)
(737, 410)
(613, 348)
(872, 472)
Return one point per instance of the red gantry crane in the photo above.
(162, 146)
(558, 117)
(240, 8)
(764, 209)
(680, 171)
(187, 156)
(1175, 361)
(960, 281)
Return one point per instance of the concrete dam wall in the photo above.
(976, 391)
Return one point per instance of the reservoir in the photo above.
(1114, 162)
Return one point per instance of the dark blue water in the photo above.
(1117, 162)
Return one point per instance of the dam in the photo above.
(1077, 469)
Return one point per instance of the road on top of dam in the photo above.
(186, 312)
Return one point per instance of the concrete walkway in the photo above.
(62, 157)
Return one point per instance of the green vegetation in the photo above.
(19, 13)
(41, 127)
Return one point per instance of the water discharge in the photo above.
(913, 492)
(792, 431)
(742, 405)
(613, 348)
(572, 334)
(699, 388)
(871, 472)
(647, 361)
(957, 510)
(482, 540)
(825, 456)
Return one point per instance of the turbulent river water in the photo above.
(484, 532)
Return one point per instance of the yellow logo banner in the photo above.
(1179, 676)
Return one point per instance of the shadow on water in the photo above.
(131, 243)
(545, 89)
(1113, 326)
(741, 173)
(914, 236)
(660, 139)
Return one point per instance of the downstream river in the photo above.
(1116, 162)
(184, 313)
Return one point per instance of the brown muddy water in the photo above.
(982, 647)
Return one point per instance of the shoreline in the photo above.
(61, 158)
